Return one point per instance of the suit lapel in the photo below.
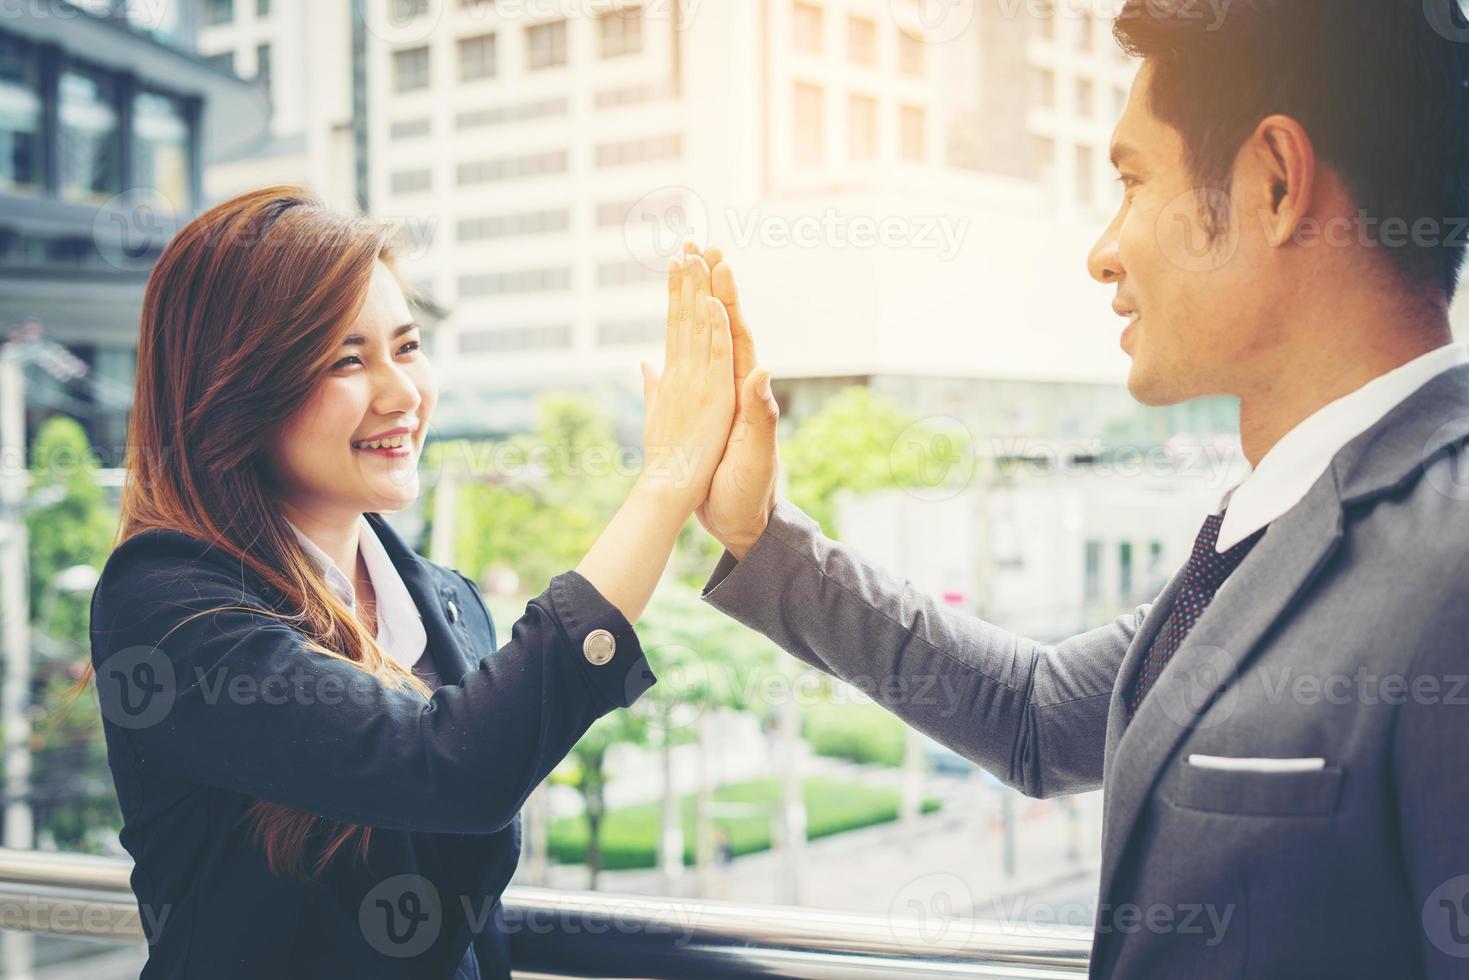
(448, 643)
(1282, 565)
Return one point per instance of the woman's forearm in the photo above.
(629, 556)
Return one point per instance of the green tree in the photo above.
(858, 442)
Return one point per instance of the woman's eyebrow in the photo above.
(356, 340)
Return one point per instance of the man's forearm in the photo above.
(1033, 715)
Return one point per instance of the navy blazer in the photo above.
(203, 717)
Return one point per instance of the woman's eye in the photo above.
(412, 345)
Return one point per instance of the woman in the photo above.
(319, 753)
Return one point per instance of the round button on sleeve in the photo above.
(599, 646)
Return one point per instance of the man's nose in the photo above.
(1104, 262)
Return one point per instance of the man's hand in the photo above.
(742, 494)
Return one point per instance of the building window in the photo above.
(1043, 81)
(91, 147)
(410, 69)
(862, 41)
(512, 168)
(1084, 178)
(1046, 15)
(810, 121)
(649, 150)
(913, 123)
(1085, 35)
(20, 117)
(218, 12)
(403, 129)
(809, 27)
(861, 128)
(546, 45)
(620, 32)
(411, 181)
(617, 333)
(262, 8)
(224, 61)
(1043, 158)
(514, 225)
(161, 131)
(501, 340)
(911, 52)
(518, 281)
(1084, 98)
(262, 67)
(406, 10)
(477, 57)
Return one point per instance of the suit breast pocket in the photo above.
(1279, 792)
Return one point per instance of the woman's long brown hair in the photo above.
(244, 313)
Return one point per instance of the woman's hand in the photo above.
(690, 407)
(689, 412)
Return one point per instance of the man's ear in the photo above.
(1284, 162)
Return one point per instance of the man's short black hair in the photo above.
(1379, 85)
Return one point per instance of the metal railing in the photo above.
(584, 934)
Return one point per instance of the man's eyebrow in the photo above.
(1121, 152)
(357, 340)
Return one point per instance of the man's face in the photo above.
(1196, 307)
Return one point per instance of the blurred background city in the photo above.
(906, 189)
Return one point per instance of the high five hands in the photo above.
(742, 492)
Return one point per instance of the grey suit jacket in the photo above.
(1341, 637)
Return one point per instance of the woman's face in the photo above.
(381, 382)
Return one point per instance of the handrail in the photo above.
(572, 934)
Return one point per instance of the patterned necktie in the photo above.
(1207, 569)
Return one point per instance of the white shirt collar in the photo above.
(1294, 464)
(400, 629)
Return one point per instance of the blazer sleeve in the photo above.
(236, 700)
(1034, 715)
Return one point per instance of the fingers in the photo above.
(723, 283)
(719, 339)
(673, 337)
(758, 407)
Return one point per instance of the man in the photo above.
(1285, 757)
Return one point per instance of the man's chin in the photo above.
(1148, 388)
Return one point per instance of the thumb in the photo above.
(761, 413)
(650, 383)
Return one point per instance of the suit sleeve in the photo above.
(235, 699)
(1430, 732)
(1033, 715)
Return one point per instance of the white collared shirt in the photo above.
(1294, 464)
(400, 629)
